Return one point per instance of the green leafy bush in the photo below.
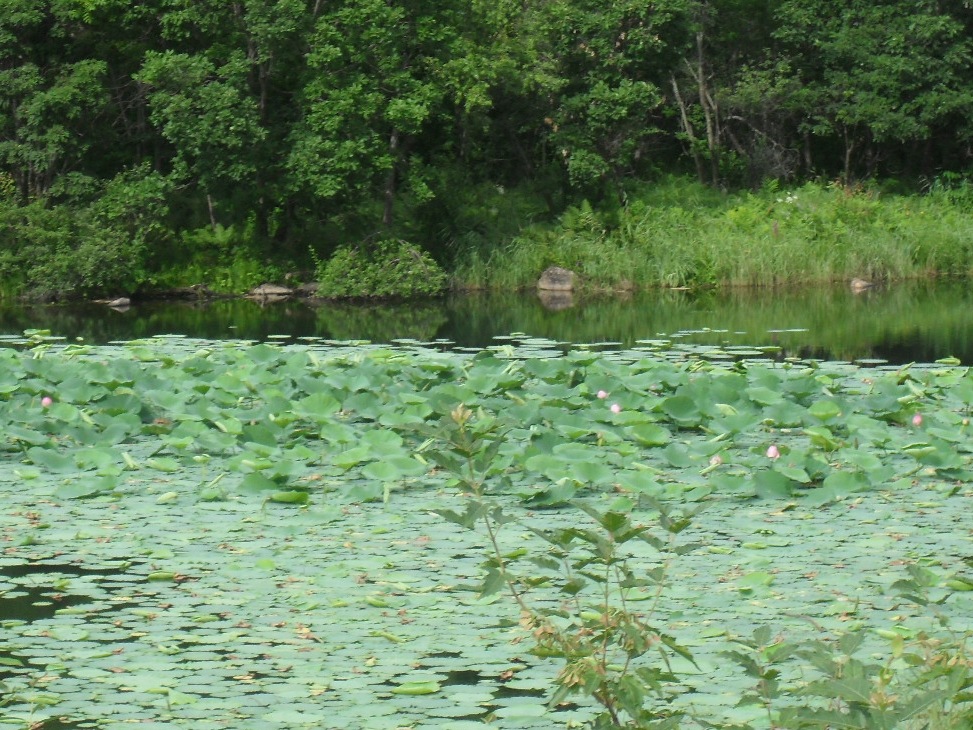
(227, 259)
(389, 268)
(95, 239)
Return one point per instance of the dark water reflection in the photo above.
(914, 321)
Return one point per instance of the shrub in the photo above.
(94, 237)
(389, 268)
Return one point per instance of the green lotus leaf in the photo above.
(795, 473)
(591, 472)
(825, 410)
(89, 487)
(394, 468)
(317, 406)
(51, 460)
(650, 434)
(844, 482)
(165, 463)
(417, 688)
(682, 410)
(257, 482)
(765, 396)
(14, 432)
(772, 484)
(289, 497)
(382, 442)
(351, 457)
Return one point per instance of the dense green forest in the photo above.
(167, 142)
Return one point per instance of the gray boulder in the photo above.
(556, 278)
(270, 291)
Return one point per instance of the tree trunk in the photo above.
(391, 179)
(708, 106)
(687, 127)
(849, 151)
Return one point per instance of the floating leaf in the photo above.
(417, 688)
(86, 487)
(650, 434)
(290, 497)
(51, 460)
(163, 463)
(257, 482)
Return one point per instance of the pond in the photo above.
(900, 323)
(270, 537)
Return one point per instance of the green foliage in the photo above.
(390, 268)
(50, 133)
(101, 246)
(678, 234)
(323, 121)
(205, 112)
(241, 477)
(595, 634)
(602, 634)
(225, 259)
(922, 681)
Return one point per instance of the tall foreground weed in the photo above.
(593, 607)
(680, 234)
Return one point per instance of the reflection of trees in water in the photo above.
(908, 321)
(220, 319)
(904, 322)
(381, 322)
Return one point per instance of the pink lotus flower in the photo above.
(615, 408)
(917, 420)
(603, 394)
(47, 401)
(715, 460)
(773, 452)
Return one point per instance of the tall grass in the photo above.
(678, 233)
(227, 260)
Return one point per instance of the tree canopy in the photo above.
(303, 124)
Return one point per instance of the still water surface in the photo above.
(904, 322)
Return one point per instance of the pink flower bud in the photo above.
(602, 394)
(917, 420)
(615, 408)
(715, 460)
(773, 452)
(47, 401)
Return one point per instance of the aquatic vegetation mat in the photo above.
(243, 535)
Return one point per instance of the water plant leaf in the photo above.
(824, 410)
(393, 468)
(290, 497)
(650, 434)
(51, 460)
(682, 410)
(88, 487)
(250, 589)
(257, 482)
(164, 463)
(772, 484)
(417, 688)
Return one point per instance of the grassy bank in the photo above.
(671, 232)
(678, 233)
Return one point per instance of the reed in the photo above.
(677, 233)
